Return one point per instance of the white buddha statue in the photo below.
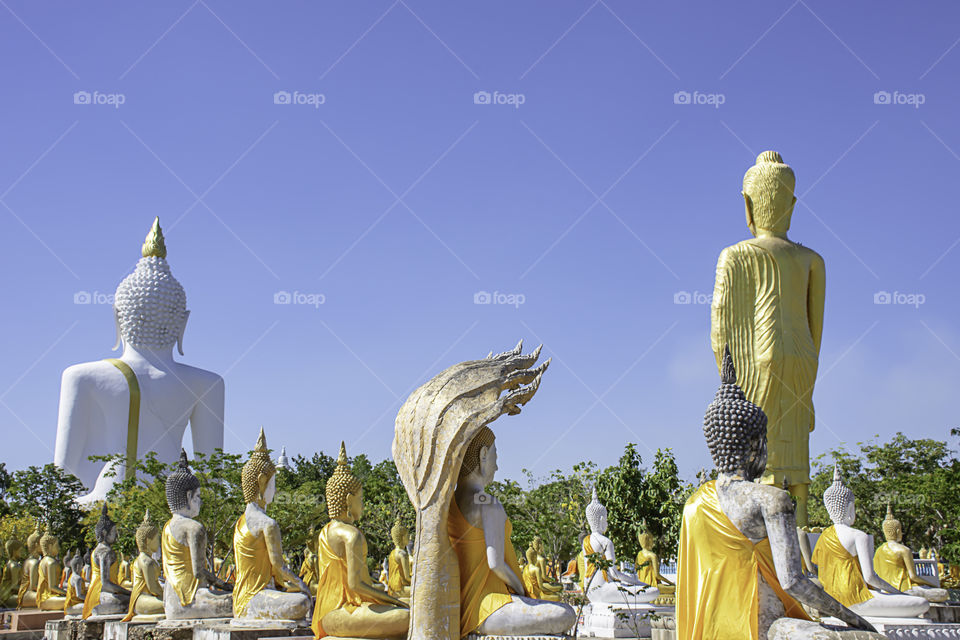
(844, 559)
(609, 586)
(143, 400)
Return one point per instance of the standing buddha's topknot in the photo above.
(340, 485)
(180, 483)
(258, 464)
(733, 425)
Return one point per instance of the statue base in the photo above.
(263, 629)
(121, 630)
(259, 623)
(944, 613)
(190, 622)
(477, 636)
(58, 630)
(909, 628)
(603, 620)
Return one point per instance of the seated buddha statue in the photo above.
(12, 571)
(191, 590)
(105, 596)
(76, 587)
(50, 597)
(348, 604)
(533, 581)
(739, 572)
(609, 586)
(146, 594)
(265, 587)
(648, 564)
(398, 562)
(493, 598)
(308, 568)
(30, 574)
(844, 559)
(547, 570)
(124, 577)
(893, 562)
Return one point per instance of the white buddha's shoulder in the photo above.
(196, 376)
(90, 371)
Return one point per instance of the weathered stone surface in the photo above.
(792, 629)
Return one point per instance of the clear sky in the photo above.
(582, 188)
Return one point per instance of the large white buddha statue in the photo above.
(609, 586)
(143, 400)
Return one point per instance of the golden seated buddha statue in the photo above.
(50, 597)
(146, 595)
(398, 562)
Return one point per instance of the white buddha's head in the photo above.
(596, 515)
(150, 306)
(839, 501)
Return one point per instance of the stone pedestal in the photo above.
(664, 627)
(910, 628)
(944, 613)
(117, 630)
(230, 631)
(616, 620)
(59, 630)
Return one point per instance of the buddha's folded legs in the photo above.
(29, 600)
(270, 604)
(54, 603)
(75, 610)
(885, 605)
(367, 621)
(148, 605)
(526, 616)
(207, 603)
(616, 593)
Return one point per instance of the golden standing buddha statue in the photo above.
(257, 547)
(348, 605)
(146, 595)
(398, 562)
(30, 575)
(768, 306)
(50, 597)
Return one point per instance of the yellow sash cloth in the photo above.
(332, 589)
(178, 566)
(530, 582)
(481, 590)
(24, 583)
(43, 588)
(139, 587)
(133, 414)
(306, 569)
(72, 597)
(254, 569)
(890, 566)
(581, 570)
(839, 572)
(396, 581)
(717, 582)
(646, 572)
(92, 598)
(591, 568)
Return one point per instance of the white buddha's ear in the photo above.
(116, 322)
(183, 327)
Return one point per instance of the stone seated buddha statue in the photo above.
(30, 573)
(261, 568)
(739, 571)
(893, 562)
(348, 605)
(191, 590)
(844, 559)
(50, 597)
(648, 566)
(76, 587)
(533, 580)
(105, 596)
(146, 594)
(609, 586)
(100, 401)
(12, 571)
(398, 562)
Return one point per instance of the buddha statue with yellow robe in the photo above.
(844, 559)
(12, 570)
(30, 574)
(533, 582)
(648, 565)
(348, 605)
(265, 588)
(398, 562)
(76, 588)
(146, 594)
(739, 572)
(308, 568)
(124, 577)
(768, 307)
(50, 597)
(105, 596)
(893, 562)
(190, 591)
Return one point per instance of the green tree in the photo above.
(49, 494)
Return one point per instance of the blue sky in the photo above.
(586, 192)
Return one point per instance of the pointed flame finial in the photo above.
(154, 244)
(261, 445)
(342, 458)
(728, 374)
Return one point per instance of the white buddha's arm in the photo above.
(865, 557)
(613, 572)
(206, 420)
(494, 520)
(72, 425)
